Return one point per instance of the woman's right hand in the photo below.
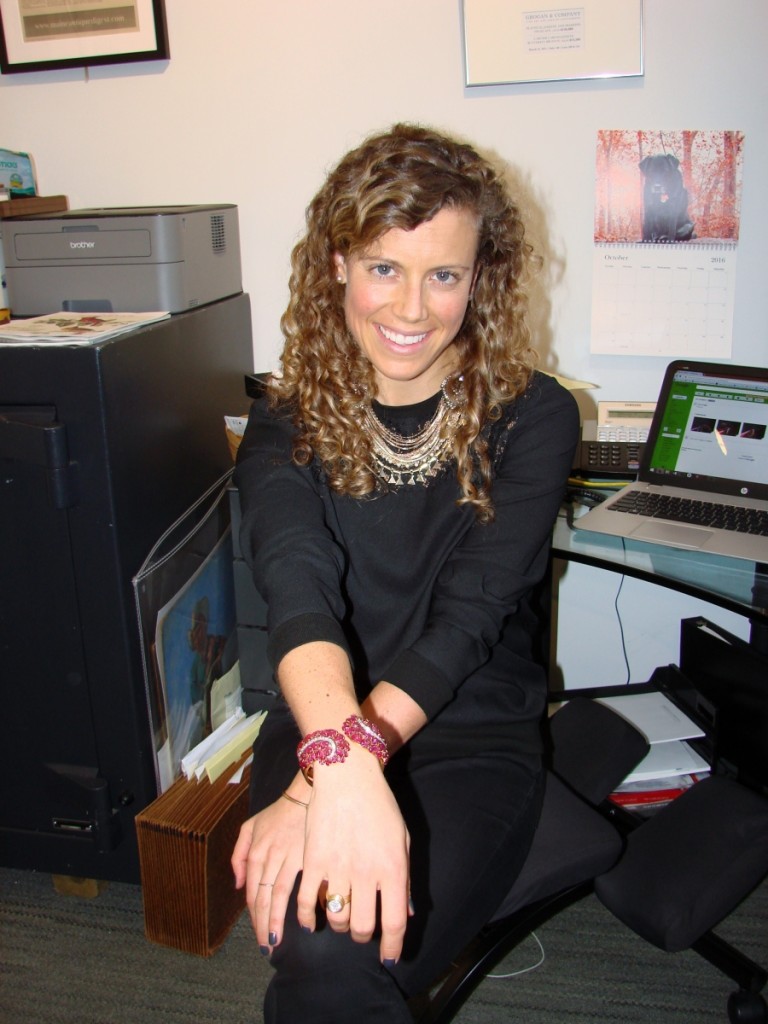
(266, 859)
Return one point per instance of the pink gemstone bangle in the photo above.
(326, 746)
(361, 731)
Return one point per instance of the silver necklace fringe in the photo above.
(399, 460)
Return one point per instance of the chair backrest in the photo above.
(593, 747)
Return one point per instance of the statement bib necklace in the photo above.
(401, 460)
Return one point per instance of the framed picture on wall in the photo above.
(511, 41)
(41, 35)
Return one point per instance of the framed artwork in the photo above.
(510, 41)
(42, 35)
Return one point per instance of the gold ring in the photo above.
(335, 902)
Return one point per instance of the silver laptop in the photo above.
(703, 478)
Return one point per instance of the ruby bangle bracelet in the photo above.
(361, 731)
(328, 746)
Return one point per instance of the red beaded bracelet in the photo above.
(361, 731)
(328, 746)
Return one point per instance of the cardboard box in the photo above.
(28, 206)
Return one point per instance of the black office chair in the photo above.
(671, 880)
(686, 869)
(592, 751)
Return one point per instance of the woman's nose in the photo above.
(410, 304)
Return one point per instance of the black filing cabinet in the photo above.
(102, 447)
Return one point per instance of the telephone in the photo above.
(612, 445)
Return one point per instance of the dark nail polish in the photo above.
(411, 907)
(389, 964)
(272, 939)
(306, 928)
(264, 950)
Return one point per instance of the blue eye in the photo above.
(382, 270)
(445, 276)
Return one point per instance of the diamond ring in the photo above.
(335, 902)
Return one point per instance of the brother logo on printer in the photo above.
(82, 245)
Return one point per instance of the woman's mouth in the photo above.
(401, 339)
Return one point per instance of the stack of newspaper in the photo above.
(73, 328)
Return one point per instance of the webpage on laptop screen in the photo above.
(715, 428)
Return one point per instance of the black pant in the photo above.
(471, 820)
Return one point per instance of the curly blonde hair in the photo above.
(401, 179)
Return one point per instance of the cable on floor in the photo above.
(523, 970)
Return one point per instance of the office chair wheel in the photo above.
(747, 1008)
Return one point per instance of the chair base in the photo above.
(497, 940)
(490, 946)
(746, 1006)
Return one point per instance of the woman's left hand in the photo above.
(357, 847)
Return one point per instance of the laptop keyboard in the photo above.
(699, 513)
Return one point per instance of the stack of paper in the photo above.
(653, 794)
(225, 745)
(666, 728)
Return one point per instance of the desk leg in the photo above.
(759, 625)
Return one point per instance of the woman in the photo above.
(399, 481)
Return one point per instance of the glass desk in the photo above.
(732, 583)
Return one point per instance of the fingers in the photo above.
(360, 895)
(353, 864)
(260, 909)
(266, 861)
(395, 911)
(267, 903)
(239, 859)
(337, 900)
(355, 909)
(362, 918)
(267, 911)
(306, 902)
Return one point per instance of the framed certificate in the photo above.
(40, 35)
(509, 41)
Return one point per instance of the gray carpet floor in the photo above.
(69, 960)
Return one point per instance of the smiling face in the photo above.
(405, 300)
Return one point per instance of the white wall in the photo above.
(260, 98)
(613, 630)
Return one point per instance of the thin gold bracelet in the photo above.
(293, 800)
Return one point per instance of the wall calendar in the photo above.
(665, 243)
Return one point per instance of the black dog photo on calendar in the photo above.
(668, 187)
(665, 200)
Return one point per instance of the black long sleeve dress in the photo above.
(421, 595)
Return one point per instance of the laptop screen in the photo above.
(710, 430)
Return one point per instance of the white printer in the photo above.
(126, 260)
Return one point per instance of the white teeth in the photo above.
(402, 339)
